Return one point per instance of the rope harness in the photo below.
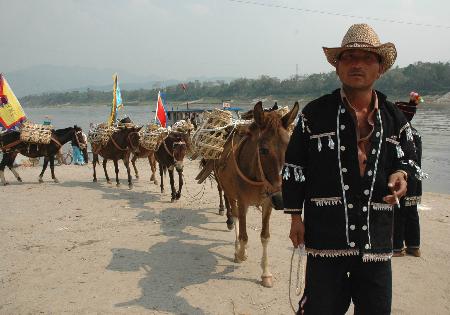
(299, 285)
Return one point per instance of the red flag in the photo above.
(161, 115)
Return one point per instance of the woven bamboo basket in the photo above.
(210, 138)
(36, 133)
(152, 136)
(100, 134)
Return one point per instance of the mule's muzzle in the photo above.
(179, 166)
(277, 201)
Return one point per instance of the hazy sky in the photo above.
(185, 38)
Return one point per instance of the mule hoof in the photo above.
(117, 184)
(221, 212)
(230, 226)
(19, 179)
(5, 184)
(178, 195)
(156, 182)
(152, 178)
(41, 180)
(94, 180)
(267, 281)
(130, 187)
(56, 180)
(109, 182)
(137, 176)
(238, 258)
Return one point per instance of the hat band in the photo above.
(359, 44)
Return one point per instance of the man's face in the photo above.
(358, 69)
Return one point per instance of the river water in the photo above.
(432, 121)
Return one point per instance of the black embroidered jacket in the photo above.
(344, 213)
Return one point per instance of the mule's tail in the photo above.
(207, 166)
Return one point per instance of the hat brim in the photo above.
(387, 52)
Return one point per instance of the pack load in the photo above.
(100, 134)
(183, 126)
(152, 136)
(210, 138)
(36, 133)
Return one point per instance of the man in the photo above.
(346, 165)
(406, 219)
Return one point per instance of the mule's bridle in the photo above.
(269, 188)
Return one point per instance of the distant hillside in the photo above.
(426, 78)
(48, 78)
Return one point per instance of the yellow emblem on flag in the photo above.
(11, 112)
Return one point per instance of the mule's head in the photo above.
(272, 138)
(179, 148)
(134, 138)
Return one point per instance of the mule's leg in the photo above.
(152, 162)
(44, 167)
(52, 168)
(2, 169)
(230, 220)
(94, 162)
(116, 170)
(133, 162)
(106, 172)
(180, 183)
(241, 254)
(172, 185)
(126, 161)
(161, 174)
(266, 276)
(16, 174)
(221, 208)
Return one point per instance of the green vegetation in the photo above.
(426, 78)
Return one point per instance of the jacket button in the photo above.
(342, 127)
(364, 209)
(342, 148)
(369, 173)
(342, 110)
(350, 206)
(377, 134)
(374, 151)
(364, 227)
(352, 227)
(346, 187)
(344, 170)
(367, 246)
(366, 192)
(352, 244)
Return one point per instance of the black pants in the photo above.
(331, 283)
(406, 228)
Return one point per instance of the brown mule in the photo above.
(170, 155)
(117, 148)
(11, 144)
(139, 152)
(248, 171)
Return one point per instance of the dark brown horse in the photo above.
(140, 152)
(12, 145)
(248, 171)
(118, 147)
(170, 155)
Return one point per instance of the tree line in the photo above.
(424, 77)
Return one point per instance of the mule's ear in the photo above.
(258, 114)
(290, 117)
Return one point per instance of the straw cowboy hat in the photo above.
(362, 36)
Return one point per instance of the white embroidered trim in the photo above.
(419, 173)
(412, 200)
(376, 257)
(382, 206)
(304, 123)
(403, 128)
(330, 201)
(340, 172)
(392, 141)
(326, 134)
(331, 252)
(297, 170)
(374, 177)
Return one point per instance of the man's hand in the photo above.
(297, 234)
(397, 184)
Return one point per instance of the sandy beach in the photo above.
(80, 247)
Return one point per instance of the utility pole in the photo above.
(296, 71)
